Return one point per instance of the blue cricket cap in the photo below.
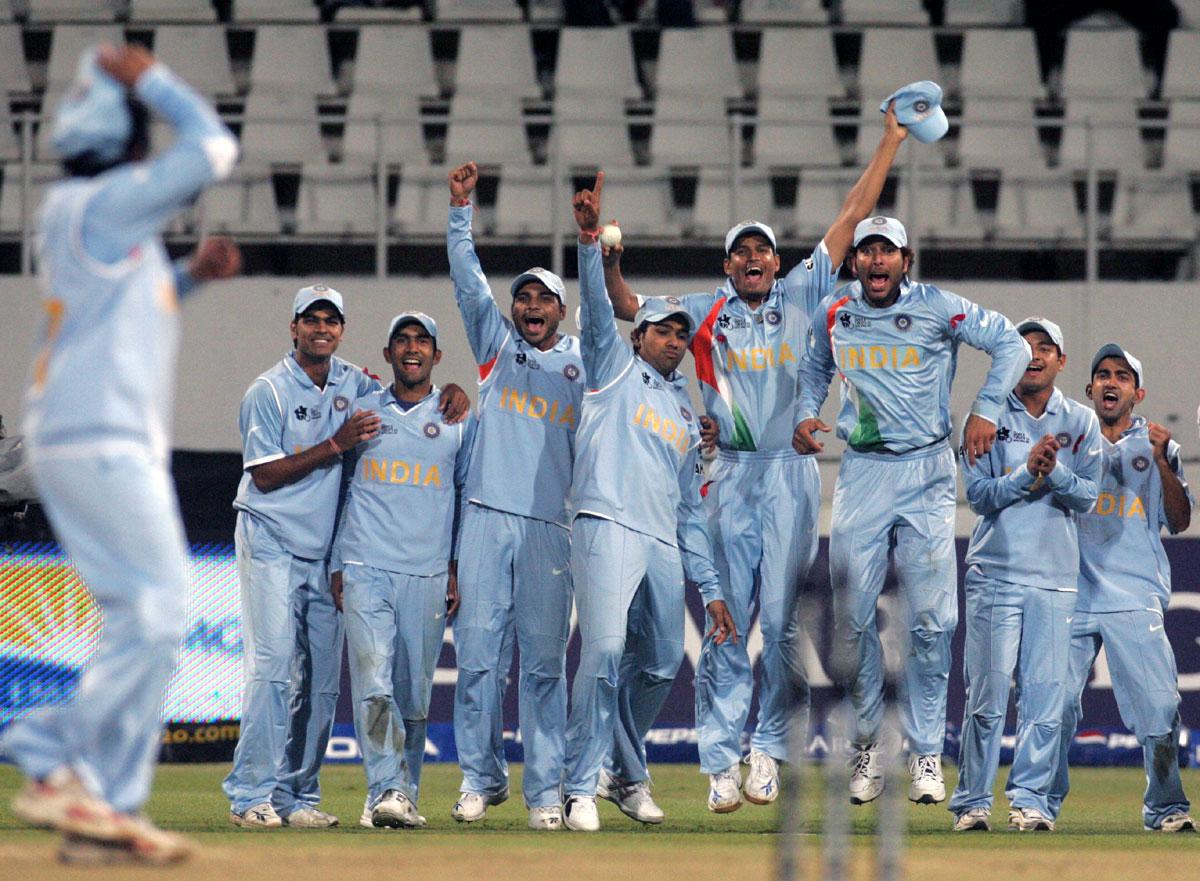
(658, 309)
(919, 109)
(1046, 326)
(93, 115)
(552, 282)
(405, 318)
(888, 227)
(748, 228)
(305, 297)
(1112, 350)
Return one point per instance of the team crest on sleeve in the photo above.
(431, 430)
(340, 403)
(1064, 439)
(571, 372)
(773, 317)
(902, 322)
(1140, 463)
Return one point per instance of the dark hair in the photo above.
(89, 164)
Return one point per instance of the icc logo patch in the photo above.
(1064, 439)
(431, 430)
(879, 221)
(845, 319)
(809, 264)
(340, 403)
(521, 357)
(571, 372)
(1140, 463)
(773, 317)
(301, 413)
(902, 322)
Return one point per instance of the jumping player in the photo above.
(638, 527)
(394, 576)
(514, 570)
(1125, 586)
(1023, 568)
(97, 431)
(894, 343)
(763, 498)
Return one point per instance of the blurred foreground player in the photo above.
(393, 568)
(98, 434)
(638, 528)
(1125, 586)
(895, 344)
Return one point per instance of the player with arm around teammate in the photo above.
(894, 343)
(394, 572)
(638, 527)
(1125, 586)
(1029, 490)
(514, 569)
(97, 431)
(763, 498)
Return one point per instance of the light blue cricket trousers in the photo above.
(1012, 626)
(763, 509)
(117, 518)
(1146, 686)
(514, 577)
(629, 595)
(395, 624)
(292, 647)
(905, 505)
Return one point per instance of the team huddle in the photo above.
(372, 513)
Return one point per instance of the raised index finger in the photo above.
(599, 184)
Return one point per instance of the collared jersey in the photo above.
(897, 364)
(747, 360)
(104, 371)
(1026, 532)
(401, 499)
(637, 462)
(284, 412)
(529, 400)
(1122, 563)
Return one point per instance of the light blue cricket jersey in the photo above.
(1122, 563)
(637, 463)
(104, 372)
(747, 360)
(897, 364)
(1026, 531)
(284, 412)
(529, 400)
(402, 500)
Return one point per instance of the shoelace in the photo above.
(762, 765)
(862, 762)
(927, 767)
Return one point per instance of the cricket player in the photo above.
(296, 423)
(1125, 586)
(514, 569)
(894, 343)
(762, 498)
(97, 431)
(394, 572)
(1023, 567)
(638, 528)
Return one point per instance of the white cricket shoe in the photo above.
(395, 810)
(1029, 820)
(762, 783)
(866, 776)
(548, 818)
(580, 814)
(260, 816)
(471, 806)
(974, 820)
(61, 801)
(309, 817)
(141, 842)
(928, 787)
(633, 799)
(1176, 822)
(725, 790)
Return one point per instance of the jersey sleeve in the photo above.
(604, 353)
(486, 328)
(691, 531)
(1078, 488)
(816, 367)
(137, 199)
(261, 424)
(994, 334)
(988, 488)
(811, 280)
(698, 306)
(462, 464)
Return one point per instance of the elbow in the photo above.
(264, 482)
(222, 154)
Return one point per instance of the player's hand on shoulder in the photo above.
(125, 63)
(462, 181)
(804, 439)
(362, 426)
(453, 404)
(215, 258)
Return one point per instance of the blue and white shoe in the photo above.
(762, 783)
(260, 816)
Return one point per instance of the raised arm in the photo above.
(486, 329)
(1177, 501)
(624, 301)
(605, 354)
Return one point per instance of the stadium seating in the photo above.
(943, 209)
(983, 12)
(255, 11)
(1183, 62)
(716, 210)
(1037, 207)
(891, 57)
(292, 59)
(884, 12)
(190, 11)
(336, 200)
(11, 193)
(1000, 64)
(525, 203)
(1116, 139)
(1103, 64)
(588, 56)
(197, 53)
(13, 71)
(73, 10)
(794, 131)
(281, 128)
(497, 60)
(818, 201)
(784, 12)
(798, 64)
(690, 130)
(394, 60)
(592, 130)
(1155, 209)
(243, 203)
(697, 61)
(486, 127)
(999, 133)
(640, 200)
(477, 10)
(1181, 150)
(421, 201)
(399, 112)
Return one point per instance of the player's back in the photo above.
(103, 373)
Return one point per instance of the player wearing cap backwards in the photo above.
(894, 344)
(296, 422)
(1125, 586)
(514, 562)
(763, 499)
(394, 573)
(97, 431)
(1023, 568)
(638, 528)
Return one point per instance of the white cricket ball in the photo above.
(610, 235)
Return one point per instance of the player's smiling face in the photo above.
(317, 332)
(880, 267)
(1113, 390)
(662, 345)
(412, 352)
(1045, 365)
(752, 265)
(536, 312)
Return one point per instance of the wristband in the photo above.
(589, 237)
(460, 203)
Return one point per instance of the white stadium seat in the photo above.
(478, 10)
(336, 200)
(1037, 207)
(242, 203)
(794, 131)
(798, 63)
(421, 201)
(1000, 64)
(199, 54)
(891, 57)
(690, 130)
(819, 200)
(1103, 64)
(999, 133)
(190, 11)
(13, 72)
(1116, 141)
(784, 11)
(884, 12)
(1153, 208)
(1181, 150)
(588, 56)
(984, 12)
(697, 61)
(1180, 78)
(640, 200)
(394, 59)
(254, 11)
(403, 140)
(592, 130)
(281, 128)
(715, 211)
(495, 58)
(486, 127)
(292, 58)
(524, 202)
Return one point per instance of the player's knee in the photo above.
(1161, 717)
(604, 658)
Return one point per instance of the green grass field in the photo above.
(1100, 837)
